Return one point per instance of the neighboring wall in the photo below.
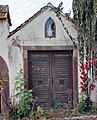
(5, 24)
(4, 62)
(4, 32)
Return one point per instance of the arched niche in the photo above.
(50, 28)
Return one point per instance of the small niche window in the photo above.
(50, 30)
(39, 82)
(61, 82)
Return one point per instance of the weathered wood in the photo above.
(50, 77)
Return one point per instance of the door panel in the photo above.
(50, 77)
(61, 63)
(39, 74)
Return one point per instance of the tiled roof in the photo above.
(4, 13)
(34, 16)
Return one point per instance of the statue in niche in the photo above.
(50, 31)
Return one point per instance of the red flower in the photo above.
(81, 83)
(84, 85)
(92, 88)
(86, 66)
(84, 80)
(90, 62)
(83, 67)
(84, 75)
(83, 89)
(81, 77)
(95, 60)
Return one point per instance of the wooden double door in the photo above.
(50, 77)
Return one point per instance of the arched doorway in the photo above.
(4, 94)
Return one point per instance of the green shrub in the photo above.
(22, 108)
(85, 106)
(60, 105)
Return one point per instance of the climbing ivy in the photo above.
(58, 12)
(85, 14)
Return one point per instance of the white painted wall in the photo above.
(33, 33)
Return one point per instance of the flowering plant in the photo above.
(85, 77)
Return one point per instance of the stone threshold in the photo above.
(92, 117)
